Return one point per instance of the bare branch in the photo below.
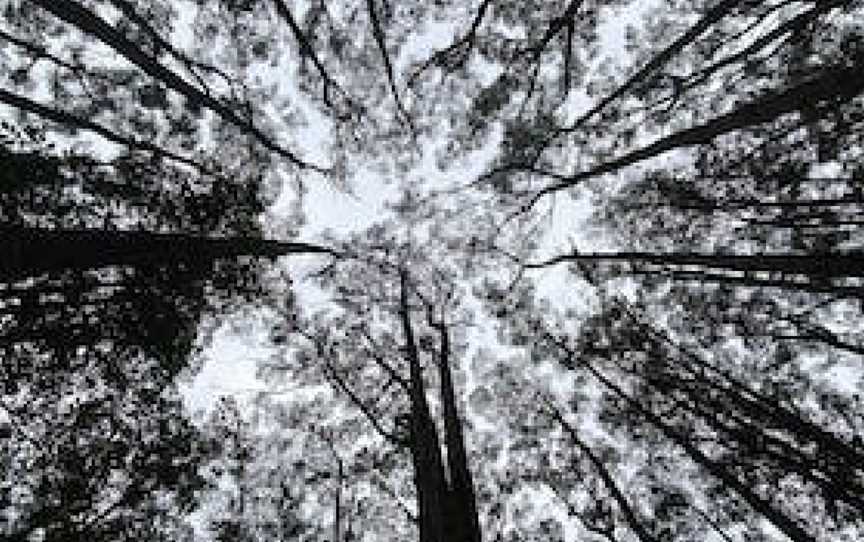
(378, 33)
(379, 360)
(367, 412)
(461, 47)
(379, 481)
(306, 50)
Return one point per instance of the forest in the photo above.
(516, 270)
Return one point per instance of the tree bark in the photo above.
(429, 478)
(27, 251)
(462, 500)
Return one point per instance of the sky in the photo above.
(230, 362)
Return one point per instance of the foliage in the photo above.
(687, 368)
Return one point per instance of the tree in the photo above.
(98, 460)
(253, 496)
(812, 89)
(394, 353)
(97, 324)
(687, 368)
(95, 27)
(137, 289)
(662, 392)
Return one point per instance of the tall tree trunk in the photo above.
(67, 119)
(462, 500)
(757, 403)
(746, 435)
(623, 504)
(711, 17)
(429, 478)
(91, 24)
(822, 273)
(839, 265)
(833, 85)
(760, 504)
(26, 251)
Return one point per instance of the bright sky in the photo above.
(238, 347)
(230, 366)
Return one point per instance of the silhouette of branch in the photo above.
(88, 22)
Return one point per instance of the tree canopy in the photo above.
(670, 352)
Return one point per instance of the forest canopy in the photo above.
(521, 270)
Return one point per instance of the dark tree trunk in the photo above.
(70, 120)
(26, 252)
(429, 478)
(462, 500)
(757, 403)
(761, 505)
(711, 17)
(623, 504)
(91, 24)
(743, 432)
(823, 266)
(834, 85)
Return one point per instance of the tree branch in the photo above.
(367, 412)
(378, 33)
(73, 121)
(307, 50)
(379, 360)
(461, 46)
(71, 12)
(832, 85)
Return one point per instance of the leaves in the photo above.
(690, 373)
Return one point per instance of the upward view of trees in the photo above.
(671, 352)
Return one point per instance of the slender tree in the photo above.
(405, 417)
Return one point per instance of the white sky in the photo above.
(230, 365)
(231, 360)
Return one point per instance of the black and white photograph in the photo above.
(432, 271)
